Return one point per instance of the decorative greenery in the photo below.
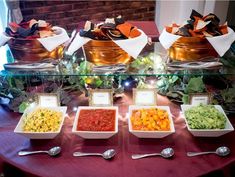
(178, 88)
(13, 89)
(166, 84)
(195, 85)
(226, 98)
(142, 65)
(23, 106)
(75, 75)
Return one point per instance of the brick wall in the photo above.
(67, 13)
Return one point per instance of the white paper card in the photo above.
(48, 101)
(101, 98)
(145, 97)
(202, 99)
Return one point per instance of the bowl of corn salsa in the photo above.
(96, 122)
(41, 122)
(150, 121)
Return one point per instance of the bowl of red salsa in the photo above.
(96, 122)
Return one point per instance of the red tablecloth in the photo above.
(124, 143)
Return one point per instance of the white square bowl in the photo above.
(40, 135)
(208, 132)
(150, 134)
(95, 134)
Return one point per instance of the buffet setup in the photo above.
(108, 90)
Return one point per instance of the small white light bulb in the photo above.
(127, 83)
(75, 109)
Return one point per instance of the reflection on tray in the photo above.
(29, 66)
(118, 68)
(202, 64)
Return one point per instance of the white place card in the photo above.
(196, 99)
(145, 97)
(48, 100)
(101, 97)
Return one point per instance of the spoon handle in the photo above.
(139, 156)
(21, 153)
(191, 154)
(80, 154)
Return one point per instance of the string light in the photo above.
(66, 53)
(75, 109)
(152, 82)
(33, 104)
(74, 58)
(126, 83)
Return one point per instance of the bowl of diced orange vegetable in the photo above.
(150, 121)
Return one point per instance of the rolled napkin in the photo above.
(132, 46)
(220, 43)
(50, 43)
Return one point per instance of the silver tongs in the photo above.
(194, 64)
(40, 65)
(118, 68)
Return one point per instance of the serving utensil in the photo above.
(165, 153)
(220, 151)
(51, 152)
(108, 154)
(116, 68)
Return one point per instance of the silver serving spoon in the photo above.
(52, 152)
(221, 151)
(165, 153)
(106, 155)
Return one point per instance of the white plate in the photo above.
(208, 132)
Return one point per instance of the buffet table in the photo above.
(125, 145)
(105, 64)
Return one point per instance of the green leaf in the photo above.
(23, 106)
(228, 95)
(72, 79)
(85, 67)
(98, 82)
(195, 85)
(174, 79)
(185, 99)
(19, 84)
(9, 81)
(142, 64)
